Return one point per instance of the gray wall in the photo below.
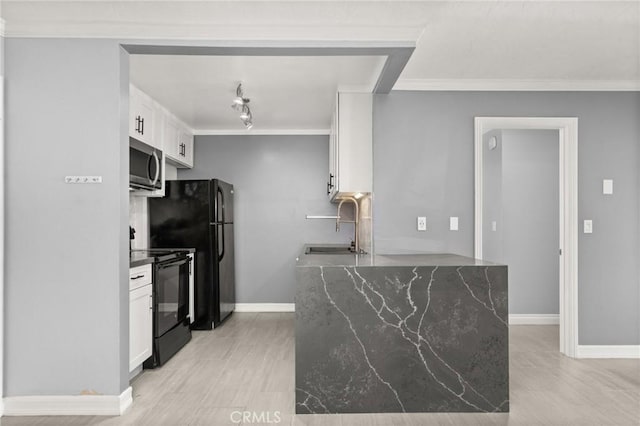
(423, 165)
(530, 219)
(66, 265)
(66, 245)
(277, 181)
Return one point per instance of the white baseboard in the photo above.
(609, 351)
(265, 307)
(534, 319)
(68, 405)
(135, 372)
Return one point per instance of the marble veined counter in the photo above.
(429, 259)
(401, 333)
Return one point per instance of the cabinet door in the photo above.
(141, 116)
(185, 146)
(354, 143)
(332, 184)
(170, 142)
(140, 325)
(178, 143)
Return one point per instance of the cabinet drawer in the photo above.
(139, 276)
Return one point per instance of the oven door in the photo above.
(171, 300)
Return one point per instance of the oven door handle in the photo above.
(172, 263)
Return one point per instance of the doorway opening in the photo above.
(567, 223)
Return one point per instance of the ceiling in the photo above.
(286, 92)
(471, 45)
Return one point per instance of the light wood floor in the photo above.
(248, 365)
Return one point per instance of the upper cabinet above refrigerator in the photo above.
(177, 142)
(351, 146)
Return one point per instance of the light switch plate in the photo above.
(607, 186)
(422, 223)
(83, 179)
(588, 226)
(494, 226)
(453, 223)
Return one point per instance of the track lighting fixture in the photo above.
(241, 104)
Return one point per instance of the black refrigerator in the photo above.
(199, 214)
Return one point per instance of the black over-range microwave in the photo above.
(145, 166)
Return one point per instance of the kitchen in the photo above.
(178, 214)
(450, 164)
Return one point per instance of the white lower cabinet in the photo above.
(140, 317)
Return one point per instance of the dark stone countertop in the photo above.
(401, 333)
(386, 260)
(139, 258)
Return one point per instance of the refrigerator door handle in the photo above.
(220, 208)
(224, 216)
(221, 255)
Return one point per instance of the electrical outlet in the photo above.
(494, 226)
(607, 186)
(453, 223)
(422, 223)
(588, 226)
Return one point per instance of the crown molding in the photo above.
(262, 132)
(514, 85)
(162, 30)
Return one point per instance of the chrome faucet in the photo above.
(354, 221)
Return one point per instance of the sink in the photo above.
(328, 250)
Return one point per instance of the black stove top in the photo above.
(162, 255)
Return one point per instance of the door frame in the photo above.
(568, 132)
(2, 230)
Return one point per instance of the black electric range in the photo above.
(160, 254)
(171, 331)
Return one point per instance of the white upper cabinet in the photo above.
(177, 142)
(151, 123)
(142, 116)
(351, 146)
(185, 147)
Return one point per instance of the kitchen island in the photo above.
(400, 333)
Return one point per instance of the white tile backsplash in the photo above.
(365, 231)
(139, 219)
